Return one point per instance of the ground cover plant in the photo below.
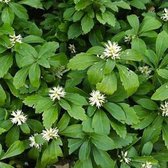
(83, 83)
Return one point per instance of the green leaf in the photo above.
(149, 23)
(108, 85)
(15, 149)
(138, 4)
(20, 77)
(163, 73)
(4, 165)
(6, 62)
(152, 133)
(101, 123)
(87, 24)
(3, 95)
(119, 128)
(76, 99)
(116, 111)
(74, 31)
(103, 159)
(34, 75)
(35, 125)
(74, 144)
(84, 151)
(63, 122)
(95, 73)
(77, 16)
(33, 39)
(161, 41)
(77, 112)
(82, 4)
(102, 142)
(19, 10)
(48, 49)
(161, 93)
(122, 4)
(51, 153)
(139, 46)
(50, 116)
(7, 15)
(134, 22)
(131, 116)
(83, 164)
(109, 18)
(12, 135)
(165, 134)
(131, 55)
(25, 128)
(147, 148)
(26, 55)
(73, 131)
(129, 79)
(33, 3)
(82, 61)
(147, 103)
(122, 142)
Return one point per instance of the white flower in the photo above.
(147, 165)
(124, 158)
(97, 98)
(112, 50)
(165, 15)
(129, 38)
(145, 70)
(5, 1)
(18, 117)
(60, 71)
(164, 108)
(57, 93)
(15, 39)
(50, 134)
(33, 142)
(72, 48)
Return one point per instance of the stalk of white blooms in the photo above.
(33, 142)
(145, 70)
(18, 117)
(112, 50)
(165, 15)
(124, 157)
(60, 72)
(15, 39)
(72, 48)
(5, 1)
(96, 98)
(57, 93)
(51, 133)
(164, 108)
(147, 165)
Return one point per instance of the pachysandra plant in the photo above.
(83, 84)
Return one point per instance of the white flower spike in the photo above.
(124, 157)
(147, 165)
(72, 48)
(145, 70)
(56, 93)
(18, 118)
(33, 142)
(97, 98)
(164, 109)
(5, 1)
(164, 16)
(15, 39)
(51, 133)
(112, 50)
